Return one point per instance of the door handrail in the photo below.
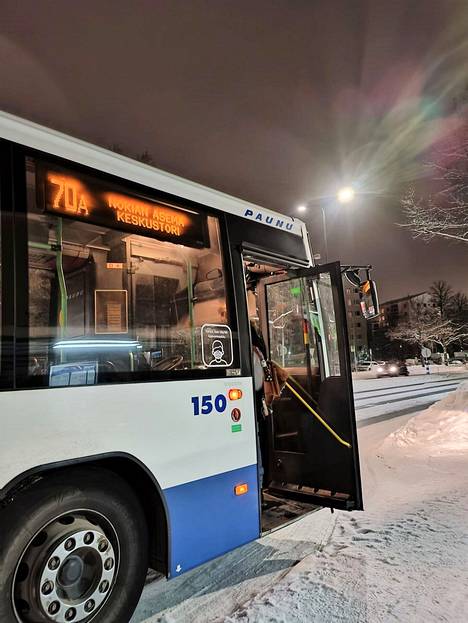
(298, 385)
(316, 415)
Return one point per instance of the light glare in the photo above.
(346, 194)
(301, 208)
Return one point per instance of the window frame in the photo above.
(22, 343)
(7, 250)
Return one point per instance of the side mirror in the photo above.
(369, 302)
(352, 275)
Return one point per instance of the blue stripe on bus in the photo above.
(207, 519)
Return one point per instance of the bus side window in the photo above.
(108, 305)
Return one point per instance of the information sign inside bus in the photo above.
(92, 200)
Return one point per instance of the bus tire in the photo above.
(73, 547)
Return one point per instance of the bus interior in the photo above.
(131, 302)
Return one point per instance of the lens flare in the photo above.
(346, 194)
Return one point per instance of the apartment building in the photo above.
(392, 312)
(357, 325)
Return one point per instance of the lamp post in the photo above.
(324, 229)
(346, 194)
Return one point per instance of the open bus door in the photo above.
(313, 454)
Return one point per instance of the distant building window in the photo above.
(358, 324)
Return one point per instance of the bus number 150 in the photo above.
(206, 404)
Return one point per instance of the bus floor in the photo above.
(278, 512)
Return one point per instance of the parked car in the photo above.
(392, 368)
(366, 366)
(456, 362)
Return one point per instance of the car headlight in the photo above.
(393, 368)
(380, 369)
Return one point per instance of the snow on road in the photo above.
(405, 558)
(377, 399)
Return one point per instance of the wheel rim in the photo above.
(68, 569)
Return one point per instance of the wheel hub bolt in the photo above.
(88, 538)
(70, 544)
(103, 587)
(89, 605)
(70, 614)
(102, 545)
(47, 587)
(53, 608)
(108, 564)
(54, 563)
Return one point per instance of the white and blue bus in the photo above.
(131, 435)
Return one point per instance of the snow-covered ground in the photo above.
(376, 399)
(405, 558)
(442, 429)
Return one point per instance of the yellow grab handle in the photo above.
(314, 413)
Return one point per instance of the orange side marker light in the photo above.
(241, 489)
(235, 394)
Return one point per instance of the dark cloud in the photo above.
(274, 101)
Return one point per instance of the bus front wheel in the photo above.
(74, 547)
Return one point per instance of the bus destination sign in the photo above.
(95, 201)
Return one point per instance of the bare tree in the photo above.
(428, 329)
(145, 157)
(441, 295)
(428, 219)
(443, 213)
(448, 333)
(116, 148)
(414, 331)
(459, 307)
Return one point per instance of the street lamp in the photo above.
(346, 194)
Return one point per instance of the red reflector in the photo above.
(235, 394)
(236, 415)
(241, 489)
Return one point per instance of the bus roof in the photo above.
(38, 137)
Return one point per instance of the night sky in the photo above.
(276, 101)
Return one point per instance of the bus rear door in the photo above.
(313, 453)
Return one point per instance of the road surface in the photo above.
(228, 587)
(380, 399)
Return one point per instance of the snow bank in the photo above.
(443, 427)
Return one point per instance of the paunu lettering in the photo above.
(269, 220)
